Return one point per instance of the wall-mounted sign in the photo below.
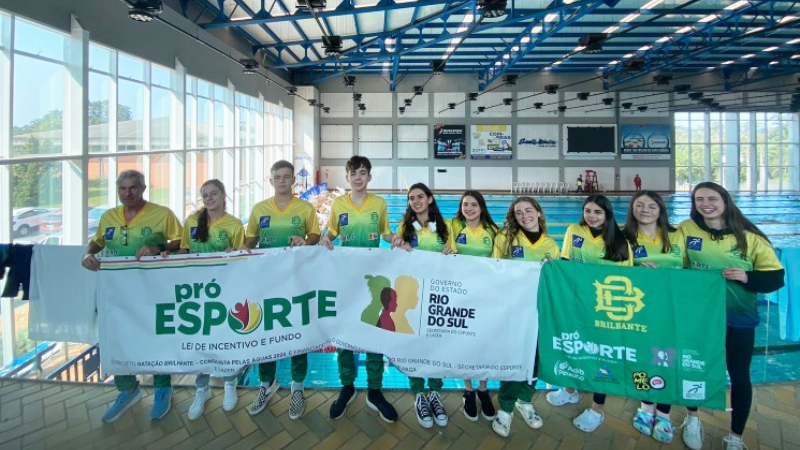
(449, 141)
(491, 142)
(646, 141)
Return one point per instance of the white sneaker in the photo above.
(589, 420)
(692, 432)
(529, 415)
(562, 397)
(231, 396)
(502, 423)
(731, 442)
(199, 404)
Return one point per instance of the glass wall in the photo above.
(747, 151)
(138, 118)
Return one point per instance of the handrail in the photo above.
(83, 368)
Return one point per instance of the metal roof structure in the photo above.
(615, 40)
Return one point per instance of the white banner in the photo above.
(433, 315)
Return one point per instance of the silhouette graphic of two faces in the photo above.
(388, 307)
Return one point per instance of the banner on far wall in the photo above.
(491, 142)
(646, 141)
(449, 141)
(649, 334)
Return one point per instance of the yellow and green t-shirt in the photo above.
(580, 246)
(427, 240)
(225, 232)
(275, 228)
(649, 250)
(152, 225)
(706, 253)
(359, 226)
(523, 249)
(477, 242)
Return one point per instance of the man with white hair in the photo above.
(136, 228)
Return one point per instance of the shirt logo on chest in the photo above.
(517, 251)
(343, 220)
(263, 222)
(193, 233)
(296, 221)
(640, 252)
(577, 241)
(694, 243)
(461, 239)
(146, 232)
(109, 234)
(414, 241)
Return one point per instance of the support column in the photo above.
(75, 186)
(177, 140)
(731, 163)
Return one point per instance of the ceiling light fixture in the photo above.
(311, 4)
(249, 66)
(438, 66)
(592, 42)
(332, 44)
(145, 10)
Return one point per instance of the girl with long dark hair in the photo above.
(719, 237)
(424, 228)
(596, 239)
(474, 232)
(656, 244)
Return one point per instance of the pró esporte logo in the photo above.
(200, 308)
(389, 304)
(245, 317)
(570, 344)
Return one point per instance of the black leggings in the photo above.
(739, 345)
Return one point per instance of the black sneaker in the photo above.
(377, 402)
(423, 410)
(437, 409)
(487, 407)
(346, 396)
(470, 405)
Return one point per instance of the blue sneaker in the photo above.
(124, 401)
(162, 403)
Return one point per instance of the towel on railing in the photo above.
(789, 296)
(19, 273)
(63, 296)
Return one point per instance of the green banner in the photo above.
(643, 333)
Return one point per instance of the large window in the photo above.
(742, 151)
(39, 84)
(136, 120)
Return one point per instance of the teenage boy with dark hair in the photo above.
(361, 219)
